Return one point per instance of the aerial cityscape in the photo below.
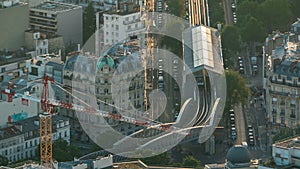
(149, 84)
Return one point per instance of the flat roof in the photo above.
(55, 6)
(288, 143)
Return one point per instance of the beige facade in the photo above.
(14, 22)
(284, 100)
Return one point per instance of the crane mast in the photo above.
(46, 127)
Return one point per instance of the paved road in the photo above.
(227, 12)
(240, 125)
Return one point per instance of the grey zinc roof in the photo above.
(238, 154)
(288, 68)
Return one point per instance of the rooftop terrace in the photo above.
(55, 6)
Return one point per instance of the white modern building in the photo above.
(287, 152)
(36, 66)
(121, 25)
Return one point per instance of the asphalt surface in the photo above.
(240, 125)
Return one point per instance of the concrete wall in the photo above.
(14, 21)
(70, 26)
(15, 107)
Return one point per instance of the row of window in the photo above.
(292, 122)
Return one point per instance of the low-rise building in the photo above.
(287, 152)
(36, 66)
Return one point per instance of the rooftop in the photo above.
(55, 6)
(288, 143)
(288, 67)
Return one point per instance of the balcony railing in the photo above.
(284, 83)
(131, 21)
(278, 93)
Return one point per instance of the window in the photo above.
(106, 18)
(117, 27)
(274, 119)
(3, 70)
(293, 114)
(292, 122)
(282, 120)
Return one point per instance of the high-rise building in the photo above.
(14, 21)
(53, 18)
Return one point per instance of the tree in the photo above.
(246, 8)
(252, 30)
(63, 152)
(216, 12)
(275, 14)
(190, 161)
(95, 147)
(237, 90)
(231, 38)
(294, 4)
(3, 161)
(161, 159)
(89, 22)
(176, 7)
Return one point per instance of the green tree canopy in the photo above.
(252, 30)
(295, 4)
(161, 159)
(63, 152)
(245, 8)
(237, 90)
(216, 12)
(89, 22)
(275, 14)
(176, 7)
(231, 38)
(190, 161)
(3, 161)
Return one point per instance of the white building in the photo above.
(36, 67)
(15, 69)
(20, 140)
(287, 152)
(119, 26)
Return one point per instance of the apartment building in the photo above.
(123, 23)
(282, 73)
(20, 140)
(55, 18)
(36, 66)
(12, 32)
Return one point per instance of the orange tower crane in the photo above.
(46, 127)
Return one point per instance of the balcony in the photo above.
(32, 15)
(131, 21)
(278, 93)
(289, 83)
